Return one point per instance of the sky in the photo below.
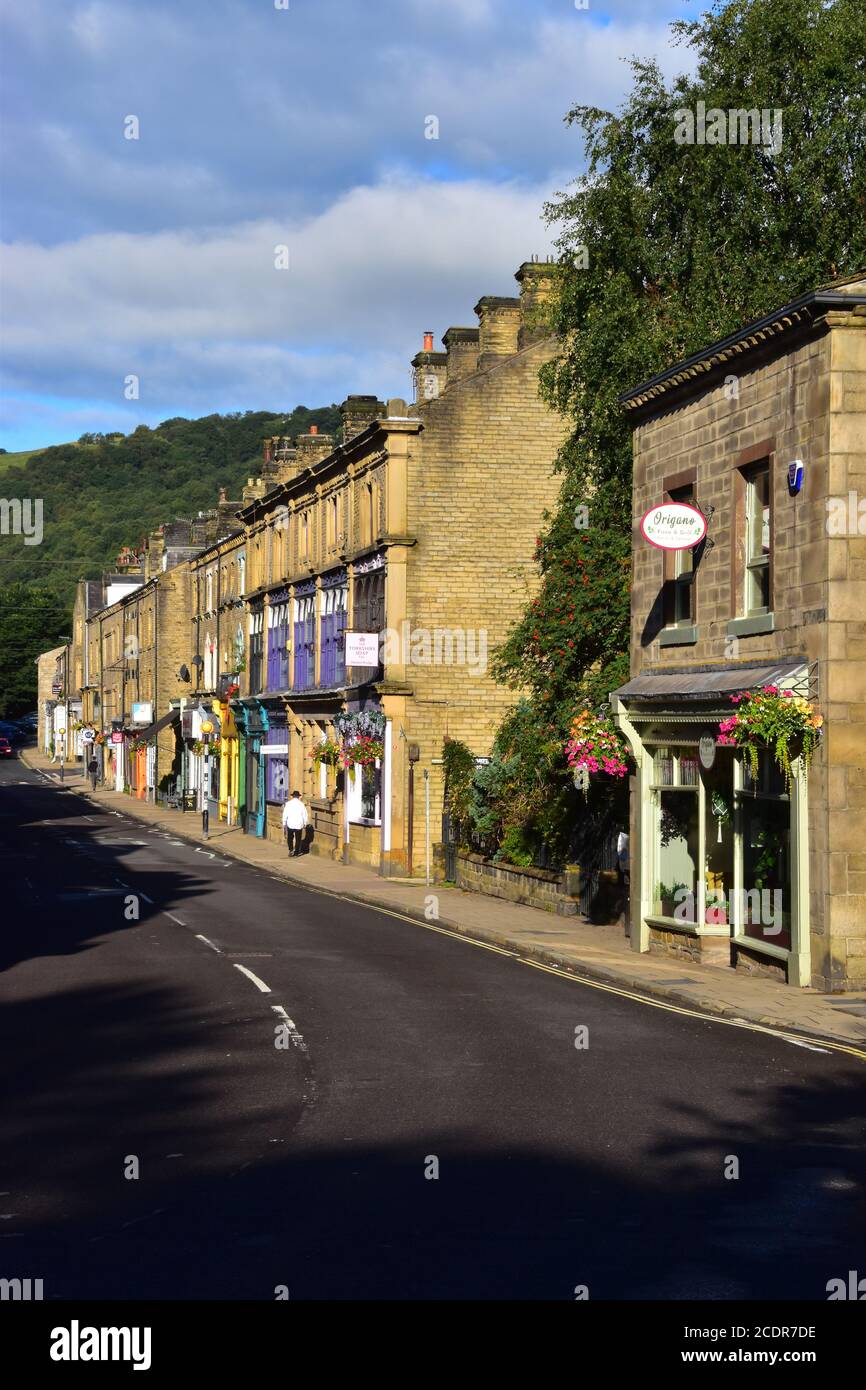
(270, 124)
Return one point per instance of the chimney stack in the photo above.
(358, 412)
(312, 448)
(498, 328)
(429, 370)
(536, 280)
(461, 357)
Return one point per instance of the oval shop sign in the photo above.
(673, 526)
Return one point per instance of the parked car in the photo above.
(5, 747)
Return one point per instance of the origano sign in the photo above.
(673, 526)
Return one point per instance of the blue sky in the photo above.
(258, 128)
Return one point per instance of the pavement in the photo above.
(598, 953)
(223, 1084)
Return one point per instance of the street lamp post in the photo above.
(207, 729)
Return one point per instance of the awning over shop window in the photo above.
(173, 717)
(710, 685)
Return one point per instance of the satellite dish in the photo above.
(183, 673)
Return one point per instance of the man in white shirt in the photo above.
(294, 823)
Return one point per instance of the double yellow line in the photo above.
(796, 1039)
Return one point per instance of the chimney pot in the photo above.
(314, 429)
(428, 342)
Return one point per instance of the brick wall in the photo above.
(479, 477)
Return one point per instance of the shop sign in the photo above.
(117, 736)
(142, 712)
(272, 748)
(707, 751)
(673, 526)
(362, 648)
(88, 735)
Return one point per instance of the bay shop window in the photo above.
(718, 853)
(364, 794)
(720, 848)
(275, 751)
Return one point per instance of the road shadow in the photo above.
(63, 884)
(237, 1196)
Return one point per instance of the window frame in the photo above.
(756, 564)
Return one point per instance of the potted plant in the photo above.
(773, 719)
(668, 899)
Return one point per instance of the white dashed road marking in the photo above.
(259, 984)
(199, 937)
(297, 1039)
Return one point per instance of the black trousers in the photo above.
(295, 839)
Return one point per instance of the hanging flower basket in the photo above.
(363, 752)
(597, 748)
(327, 753)
(369, 723)
(773, 719)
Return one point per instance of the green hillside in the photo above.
(106, 491)
(8, 460)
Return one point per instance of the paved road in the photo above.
(304, 1165)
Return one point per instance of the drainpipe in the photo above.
(427, 823)
(414, 755)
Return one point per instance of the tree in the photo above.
(664, 248)
(31, 621)
(106, 491)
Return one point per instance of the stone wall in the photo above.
(533, 887)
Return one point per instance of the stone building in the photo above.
(217, 659)
(766, 877)
(131, 649)
(136, 648)
(51, 687)
(417, 530)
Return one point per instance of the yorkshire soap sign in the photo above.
(673, 526)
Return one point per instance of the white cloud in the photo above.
(205, 317)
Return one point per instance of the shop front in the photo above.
(719, 861)
(275, 758)
(229, 760)
(251, 719)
